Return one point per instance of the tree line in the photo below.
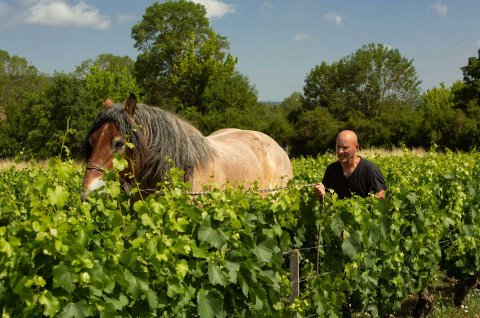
(184, 66)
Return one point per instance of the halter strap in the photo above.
(95, 166)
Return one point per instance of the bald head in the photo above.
(347, 146)
(348, 136)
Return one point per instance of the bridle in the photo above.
(95, 166)
(100, 167)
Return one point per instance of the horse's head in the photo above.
(105, 139)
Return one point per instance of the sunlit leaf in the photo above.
(58, 196)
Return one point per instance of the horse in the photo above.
(240, 158)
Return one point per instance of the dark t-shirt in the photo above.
(365, 179)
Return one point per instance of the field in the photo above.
(225, 253)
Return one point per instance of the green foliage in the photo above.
(375, 253)
(444, 124)
(374, 91)
(223, 253)
(197, 70)
(184, 66)
(209, 92)
(19, 82)
(315, 130)
(105, 62)
(371, 78)
(58, 116)
(116, 84)
(55, 115)
(471, 79)
(217, 255)
(162, 37)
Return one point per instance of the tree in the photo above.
(161, 37)
(19, 81)
(198, 73)
(116, 84)
(466, 97)
(18, 78)
(291, 107)
(106, 62)
(366, 81)
(471, 79)
(314, 132)
(374, 91)
(276, 125)
(467, 94)
(60, 115)
(443, 124)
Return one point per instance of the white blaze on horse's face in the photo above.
(95, 184)
(105, 142)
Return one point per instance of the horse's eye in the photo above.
(118, 143)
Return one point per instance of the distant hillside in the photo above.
(269, 102)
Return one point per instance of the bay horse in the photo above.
(160, 138)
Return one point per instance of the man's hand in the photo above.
(319, 190)
(380, 195)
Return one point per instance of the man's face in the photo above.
(346, 148)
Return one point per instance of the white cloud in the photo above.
(125, 18)
(333, 17)
(302, 37)
(60, 13)
(216, 8)
(440, 9)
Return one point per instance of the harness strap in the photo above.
(95, 166)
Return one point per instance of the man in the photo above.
(351, 174)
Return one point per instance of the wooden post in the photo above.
(294, 275)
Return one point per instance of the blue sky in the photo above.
(277, 42)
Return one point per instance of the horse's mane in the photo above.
(158, 136)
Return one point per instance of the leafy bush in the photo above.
(224, 253)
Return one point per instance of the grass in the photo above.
(444, 308)
(7, 163)
(443, 303)
(373, 151)
(448, 310)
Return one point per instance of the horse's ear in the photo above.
(131, 104)
(107, 103)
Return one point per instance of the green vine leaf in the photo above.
(64, 278)
(210, 303)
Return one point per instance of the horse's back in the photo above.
(245, 157)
